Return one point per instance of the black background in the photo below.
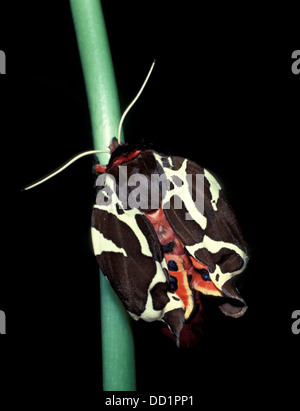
(222, 94)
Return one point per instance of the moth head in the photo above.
(122, 153)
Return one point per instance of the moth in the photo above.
(163, 234)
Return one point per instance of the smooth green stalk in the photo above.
(117, 339)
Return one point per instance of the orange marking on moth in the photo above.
(205, 287)
(187, 276)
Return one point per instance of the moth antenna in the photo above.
(87, 153)
(63, 167)
(134, 101)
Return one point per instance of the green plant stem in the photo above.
(117, 339)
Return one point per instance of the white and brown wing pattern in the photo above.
(206, 224)
(130, 256)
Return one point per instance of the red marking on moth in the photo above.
(117, 161)
(185, 262)
(188, 279)
(100, 169)
(124, 158)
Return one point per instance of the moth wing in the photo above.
(202, 218)
(129, 254)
